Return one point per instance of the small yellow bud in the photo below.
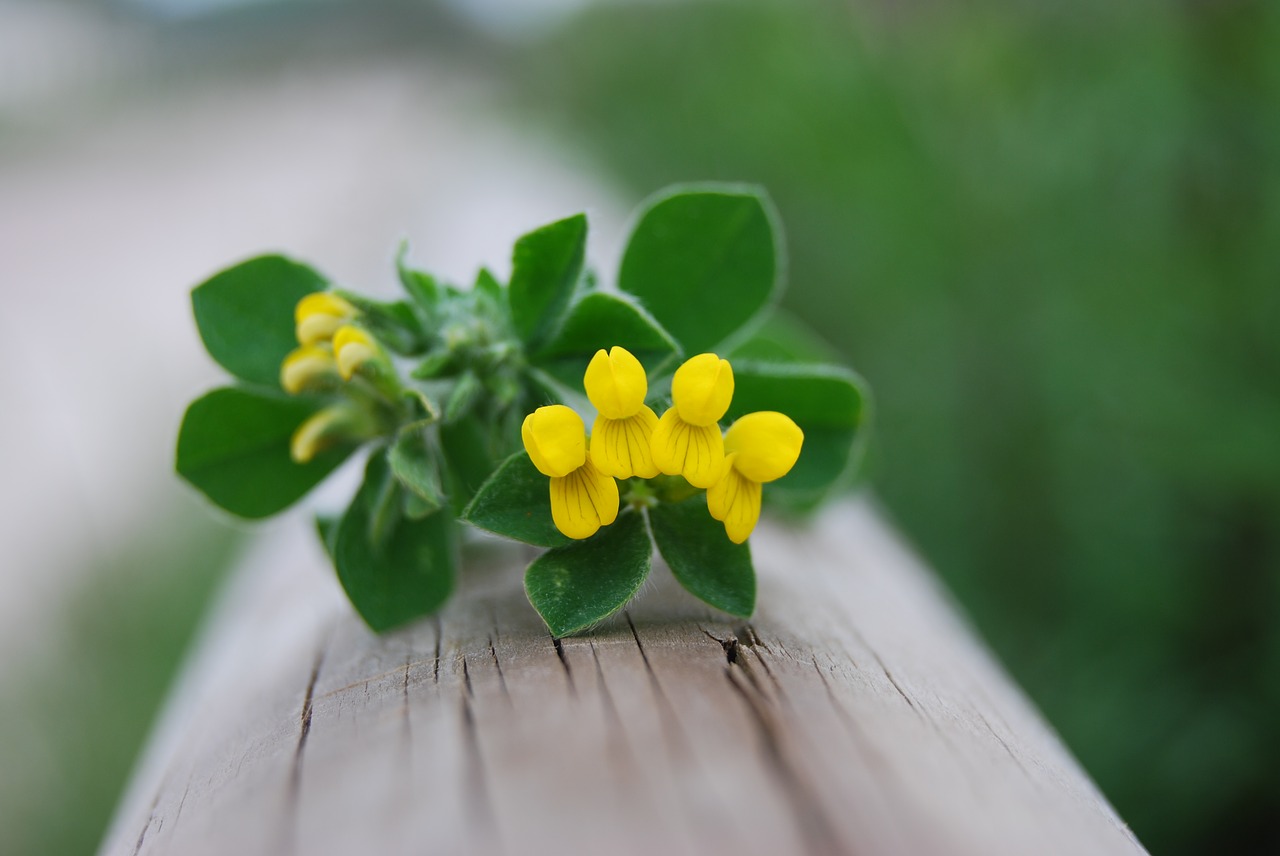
(352, 348)
(318, 316)
(308, 368)
(615, 383)
(767, 445)
(702, 389)
(323, 430)
(556, 440)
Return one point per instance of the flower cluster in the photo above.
(629, 441)
(332, 351)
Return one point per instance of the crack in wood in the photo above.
(477, 779)
(676, 743)
(178, 815)
(812, 823)
(151, 816)
(729, 645)
(502, 680)
(304, 722)
(404, 697)
(606, 697)
(435, 668)
(564, 662)
(888, 674)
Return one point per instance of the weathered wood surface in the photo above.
(855, 714)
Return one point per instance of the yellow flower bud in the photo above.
(318, 316)
(702, 389)
(352, 348)
(322, 431)
(615, 383)
(767, 445)
(308, 368)
(556, 440)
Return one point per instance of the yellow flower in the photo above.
(687, 440)
(318, 316)
(308, 369)
(353, 348)
(323, 430)
(582, 498)
(622, 436)
(760, 447)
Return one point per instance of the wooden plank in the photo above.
(855, 714)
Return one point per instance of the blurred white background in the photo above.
(137, 157)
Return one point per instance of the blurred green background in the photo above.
(1049, 236)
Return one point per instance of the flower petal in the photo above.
(556, 440)
(318, 316)
(310, 367)
(735, 501)
(352, 348)
(767, 445)
(702, 389)
(323, 430)
(583, 501)
(624, 447)
(616, 383)
(693, 451)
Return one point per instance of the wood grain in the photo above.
(855, 714)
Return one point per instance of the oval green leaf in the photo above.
(406, 572)
(705, 261)
(516, 503)
(234, 447)
(599, 321)
(413, 464)
(546, 265)
(703, 559)
(245, 315)
(578, 586)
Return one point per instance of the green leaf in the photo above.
(830, 405)
(580, 585)
(327, 529)
(704, 560)
(601, 320)
(468, 459)
(705, 261)
(245, 315)
(394, 323)
(516, 503)
(234, 446)
(435, 364)
(782, 338)
(407, 573)
(487, 284)
(467, 391)
(545, 269)
(414, 466)
(420, 286)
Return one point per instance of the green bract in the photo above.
(437, 385)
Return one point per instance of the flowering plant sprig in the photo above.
(469, 404)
